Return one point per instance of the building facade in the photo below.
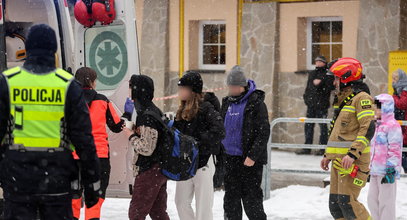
(274, 41)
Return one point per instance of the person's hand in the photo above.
(129, 106)
(325, 163)
(249, 162)
(128, 132)
(347, 162)
(352, 170)
(317, 82)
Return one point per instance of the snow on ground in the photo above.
(290, 203)
(289, 160)
(294, 202)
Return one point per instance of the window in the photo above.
(324, 36)
(212, 45)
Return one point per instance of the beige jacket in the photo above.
(353, 128)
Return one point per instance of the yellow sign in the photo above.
(397, 60)
(358, 182)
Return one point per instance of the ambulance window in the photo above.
(106, 53)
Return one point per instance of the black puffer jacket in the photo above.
(27, 173)
(211, 98)
(255, 125)
(206, 127)
(318, 96)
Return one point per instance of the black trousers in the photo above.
(243, 184)
(49, 207)
(104, 179)
(404, 160)
(309, 127)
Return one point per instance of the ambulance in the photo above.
(109, 47)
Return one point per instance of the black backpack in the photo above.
(179, 153)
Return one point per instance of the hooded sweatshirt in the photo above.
(148, 137)
(388, 140)
(234, 122)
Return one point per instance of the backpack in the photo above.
(179, 153)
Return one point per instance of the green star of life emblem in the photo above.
(108, 56)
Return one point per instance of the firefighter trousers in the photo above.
(344, 193)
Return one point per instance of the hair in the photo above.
(188, 109)
(86, 76)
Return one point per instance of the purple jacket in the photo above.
(234, 123)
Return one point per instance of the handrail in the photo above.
(305, 120)
(266, 173)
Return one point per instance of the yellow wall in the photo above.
(290, 21)
(196, 10)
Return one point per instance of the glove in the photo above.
(129, 106)
(389, 178)
(351, 171)
(92, 194)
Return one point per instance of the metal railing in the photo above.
(267, 168)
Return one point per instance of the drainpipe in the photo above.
(239, 30)
(181, 36)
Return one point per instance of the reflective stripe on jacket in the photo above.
(37, 106)
(353, 128)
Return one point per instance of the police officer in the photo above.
(43, 116)
(348, 146)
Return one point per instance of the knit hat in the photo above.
(41, 39)
(321, 58)
(193, 80)
(236, 77)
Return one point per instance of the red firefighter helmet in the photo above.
(347, 69)
(103, 11)
(83, 13)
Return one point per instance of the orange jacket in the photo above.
(101, 113)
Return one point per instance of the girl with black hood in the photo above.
(199, 119)
(149, 195)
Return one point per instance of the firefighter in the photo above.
(348, 146)
(42, 111)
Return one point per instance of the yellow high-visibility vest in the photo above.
(37, 107)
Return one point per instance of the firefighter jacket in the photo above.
(353, 127)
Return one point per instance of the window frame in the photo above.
(201, 65)
(309, 37)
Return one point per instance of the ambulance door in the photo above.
(20, 15)
(66, 36)
(112, 52)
